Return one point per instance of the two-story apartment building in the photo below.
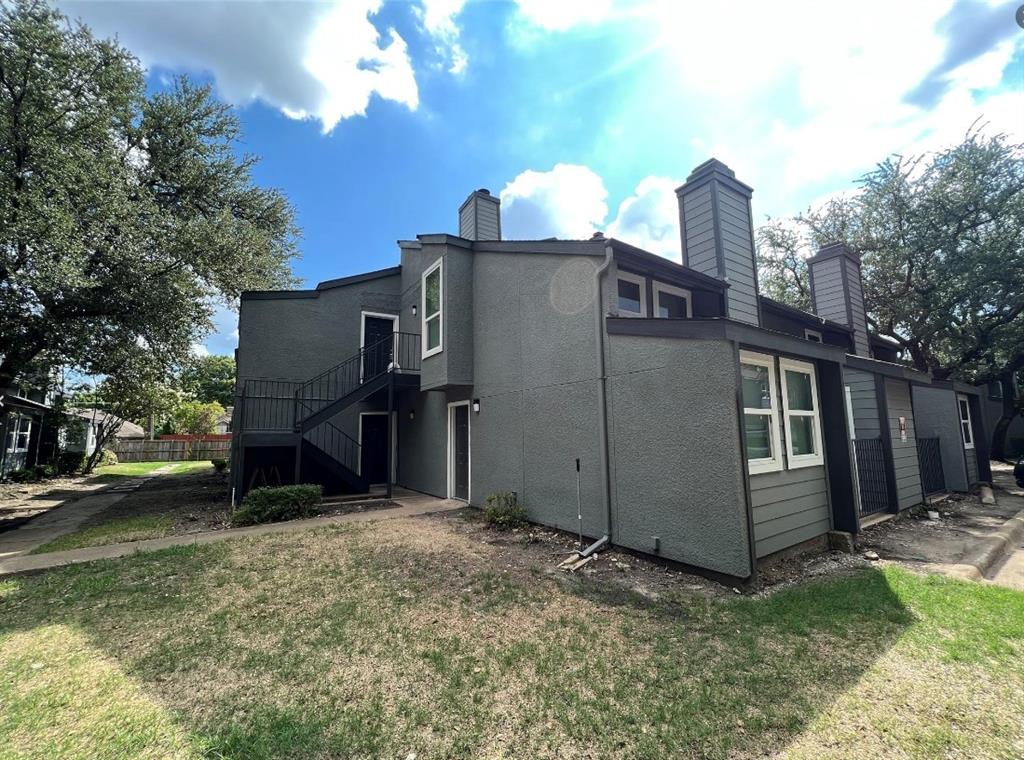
(712, 426)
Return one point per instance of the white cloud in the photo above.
(438, 20)
(570, 202)
(560, 15)
(310, 60)
(567, 202)
(198, 349)
(649, 218)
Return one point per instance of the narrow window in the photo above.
(813, 335)
(672, 303)
(802, 418)
(966, 431)
(432, 317)
(632, 296)
(760, 413)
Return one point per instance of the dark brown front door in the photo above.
(460, 452)
(376, 350)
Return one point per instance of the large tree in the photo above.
(124, 217)
(942, 243)
(210, 378)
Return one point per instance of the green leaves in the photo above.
(123, 216)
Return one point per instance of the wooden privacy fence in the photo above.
(170, 451)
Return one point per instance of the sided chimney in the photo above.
(480, 216)
(717, 234)
(837, 291)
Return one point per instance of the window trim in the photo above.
(796, 461)
(672, 290)
(968, 445)
(437, 266)
(774, 463)
(816, 333)
(638, 280)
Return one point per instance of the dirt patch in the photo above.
(913, 537)
(194, 501)
(20, 502)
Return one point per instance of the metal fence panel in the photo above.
(929, 454)
(871, 475)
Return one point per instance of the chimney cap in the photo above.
(832, 250)
(484, 190)
(714, 169)
(598, 235)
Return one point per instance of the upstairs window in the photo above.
(966, 431)
(632, 295)
(760, 413)
(801, 414)
(432, 317)
(671, 302)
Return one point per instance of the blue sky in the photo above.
(377, 118)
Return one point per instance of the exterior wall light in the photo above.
(476, 406)
(412, 414)
(414, 310)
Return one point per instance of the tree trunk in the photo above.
(1010, 411)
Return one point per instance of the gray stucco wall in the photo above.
(422, 442)
(936, 414)
(904, 453)
(864, 401)
(676, 467)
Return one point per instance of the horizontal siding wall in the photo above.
(738, 252)
(860, 321)
(699, 232)
(972, 465)
(904, 454)
(864, 402)
(790, 506)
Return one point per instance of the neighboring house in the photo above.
(223, 424)
(83, 437)
(712, 426)
(22, 409)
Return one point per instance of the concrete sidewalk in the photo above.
(410, 505)
(68, 516)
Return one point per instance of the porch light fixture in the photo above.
(414, 310)
(476, 406)
(412, 414)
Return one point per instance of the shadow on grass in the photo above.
(334, 646)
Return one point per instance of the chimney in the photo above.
(837, 292)
(718, 234)
(480, 216)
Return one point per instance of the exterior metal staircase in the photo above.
(273, 408)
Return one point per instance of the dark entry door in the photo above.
(460, 452)
(376, 351)
(373, 454)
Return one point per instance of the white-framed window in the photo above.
(966, 431)
(760, 413)
(433, 318)
(801, 413)
(813, 335)
(671, 302)
(631, 292)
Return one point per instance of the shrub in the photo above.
(502, 511)
(219, 464)
(70, 462)
(107, 458)
(264, 505)
(32, 474)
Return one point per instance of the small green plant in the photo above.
(219, 464)
(32, 474)
(264, 505)
(502, 510)
(107, 458)
(70, 462)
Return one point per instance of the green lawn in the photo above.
(114, 532)
(135, 469)
(406, 636)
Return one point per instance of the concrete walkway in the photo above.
(410, 504)
(68, 516)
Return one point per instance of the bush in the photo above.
(219, 464)
(32, 474)
(502, 511)
(107, 458)
(264, 505)
(70, 462)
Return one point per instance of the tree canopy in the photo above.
(124, 216)
(210, 379)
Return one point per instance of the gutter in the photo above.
(602, 392)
